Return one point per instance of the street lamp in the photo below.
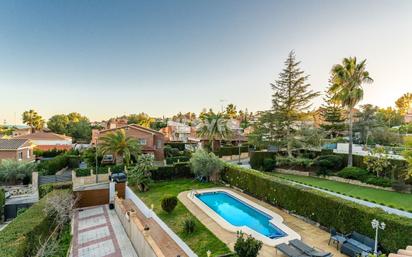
(377, 225)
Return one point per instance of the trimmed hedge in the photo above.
(168, 172)
(82, 172)
(230, 150)
(180, 146)
(364, 176)
(21, 237)
(328, 210)
(176, 159)
(2, 203)
(299, 163)
(47, 188)
(257, 158)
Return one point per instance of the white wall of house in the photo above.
(52, 142)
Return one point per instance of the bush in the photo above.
(189, 225)
(12, 171)
(354, 173)
(180, 146)
(168, 172)
(269, 164)
(169, 203)
(175, 159)
(2, 203)
(22, 236)
(328, 210)
(294, 163)
(47, 188)
(50, 167)
(231, 150)
(204, 164)
(329, 163)
(48, 154)
(257, 157)
(382, 182)
(247, 247)
(82, 172)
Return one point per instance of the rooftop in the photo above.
(12, 144)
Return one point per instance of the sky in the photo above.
(108, 58)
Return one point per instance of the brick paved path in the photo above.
(93, 234)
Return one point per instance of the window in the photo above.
(142, 141)
(20, 156)
(159, 144)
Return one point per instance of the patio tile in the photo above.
(93, 234)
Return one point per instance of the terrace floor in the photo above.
(311, 234)
(98, 232)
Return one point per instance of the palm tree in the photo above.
(346, 88)
(214, 128)
(33, 119)
(120, 145)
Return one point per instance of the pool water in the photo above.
(239, 213)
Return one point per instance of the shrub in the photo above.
(294, 163)
(180, 146)
(175, 159)
(169, 203)
(383, 182)
(328, 210)
(334, 162)
(204, 164)
(47, 188)
(50, 167)
(354, 173)
(178, 170)
(82, 172)
(140, 174)
(21, 237)
(2, 203)
(269, 164)
(257, 157)
(231, 150)
(189, 225)
(377, 161)
(49, 153)
(12, 171)
(247, 247)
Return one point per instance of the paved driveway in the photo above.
(98, 232)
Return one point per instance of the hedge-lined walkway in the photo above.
(401, 201)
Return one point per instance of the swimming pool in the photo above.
(240, 214)
(236, 213)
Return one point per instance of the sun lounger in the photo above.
(290, 251)
(298, 244)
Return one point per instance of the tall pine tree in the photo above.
(332, 116)
(291, 97)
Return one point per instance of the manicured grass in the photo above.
(201, 240)
(392, 199)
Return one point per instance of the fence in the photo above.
(150, 214)
(55, 178)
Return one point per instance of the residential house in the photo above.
(16, 130)
(152, 141)
(16, 149)
(46, 141)
(177, 132)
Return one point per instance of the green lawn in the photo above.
(202, 239)
(388, 198)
